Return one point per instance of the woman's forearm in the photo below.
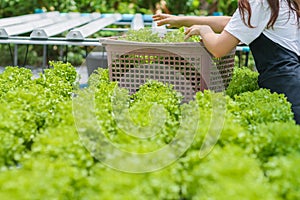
(217, 23)
(217, 44)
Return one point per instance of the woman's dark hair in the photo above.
(244, 7)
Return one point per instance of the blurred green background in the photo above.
(204, 7)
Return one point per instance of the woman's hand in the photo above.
(166, 19)
(200, 30)
(217, 44)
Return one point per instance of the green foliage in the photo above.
(282, 171)
(13, 78)
(11, 149)
(19, 7)
(262, 106)
(227, 7)
(218, 120)
(62, 74)
(226, 173)
(125, 186)
(121, 115)
(51, 144)
(43, 179)
(154, 93)
(255, 154)
(243, 80)
(147, 35)
(30, 105)
(272, 139)
(164, 94)
(99, 76)
(10, 8)
(141, 35)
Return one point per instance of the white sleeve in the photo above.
(259, 20)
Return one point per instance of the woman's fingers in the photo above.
(169, 20)
(187, 35)
(160, 16)
(164, 19)
(193, 30)
(162, 22)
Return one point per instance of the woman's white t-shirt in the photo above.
(285, 31)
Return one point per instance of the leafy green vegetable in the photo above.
(226, 173)
(243, 80)
(283, 174)
(29, 105)
(262, 106)
(13, 78)
(146, 35)
(273, 139)
(255, 154)
(141, 35)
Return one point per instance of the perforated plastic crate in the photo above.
(187, 66)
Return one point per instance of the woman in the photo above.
(271, 28)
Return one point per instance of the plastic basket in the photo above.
(187, 66)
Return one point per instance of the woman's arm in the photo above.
(217, 44)
(217, 23)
